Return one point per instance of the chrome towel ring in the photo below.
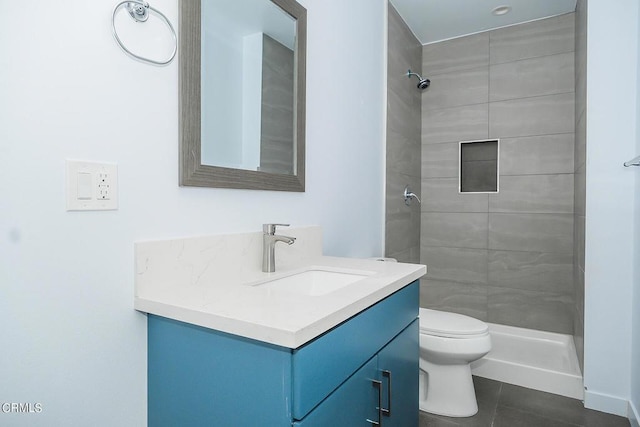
(139, 11)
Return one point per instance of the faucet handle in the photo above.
(271, 228)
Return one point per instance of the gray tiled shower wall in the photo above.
(580, 177)
(506, 257)
(402, 226)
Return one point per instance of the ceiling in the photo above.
(437, 20)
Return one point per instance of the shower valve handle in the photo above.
(408, 195)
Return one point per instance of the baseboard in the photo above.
(606, 403)
(634, 415)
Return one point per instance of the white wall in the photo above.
(611, 212)
(635, 327)
(70, 338)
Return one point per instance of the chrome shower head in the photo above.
(423, 83)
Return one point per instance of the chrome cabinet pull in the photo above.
(387, 412)
(378, 384)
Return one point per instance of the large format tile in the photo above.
(455, 264)
(464, 298)
(441, 160)
(405, 52)
(580, 91)
(463, 87)
(404, 47)
(581, 141)
(533, 271)
(510, 417)
(531, 232)
(533, 194)
(403, 108)
(579, 241)
(442, 195)
(581, 55)
(403, 152)
(404, 102)
(401, 92)
(527, 309)
(487, 390)
(402, 222)
(540, 115)
(402, 231)
(395, 184)
(410, 255)
(483, 418)
(554, 407)
(506, 405)
(454, 229)
(430, 420)
(466, 123)
(544, 75)
(580, 191)
(581, 58)
(457, 54)
(529, 40)
(545, 154)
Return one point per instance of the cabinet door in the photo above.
(352, 404)
(320, 366)
(398, 369)
(199, 377)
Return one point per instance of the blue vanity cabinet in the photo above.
(383, 391)
(352, 404)
(203, 377)
(398, 366)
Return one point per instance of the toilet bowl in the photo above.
(449, 342)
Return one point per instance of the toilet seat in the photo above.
(450, 325)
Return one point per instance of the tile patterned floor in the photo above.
(506, 405)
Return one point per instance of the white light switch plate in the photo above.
(91, 186)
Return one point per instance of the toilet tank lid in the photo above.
(443, 323)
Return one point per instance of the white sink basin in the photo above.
(314, 281)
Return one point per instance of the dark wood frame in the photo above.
(192, 171)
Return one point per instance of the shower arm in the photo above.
(410, 73)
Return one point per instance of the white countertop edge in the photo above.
(271, 335)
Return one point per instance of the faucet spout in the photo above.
(286, 239)
(269, 240)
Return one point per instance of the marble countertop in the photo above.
(237, 306)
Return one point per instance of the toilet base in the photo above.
(447, 390)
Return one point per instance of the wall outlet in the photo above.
(104, 186)
(91, 186)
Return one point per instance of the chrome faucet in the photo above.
(269, 240)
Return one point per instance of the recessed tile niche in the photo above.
(479, 166)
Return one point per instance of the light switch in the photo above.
(91, 186)
(84, 186)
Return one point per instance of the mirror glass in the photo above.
(247, 84)
(242, 94)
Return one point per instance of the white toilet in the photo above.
(449, 342)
